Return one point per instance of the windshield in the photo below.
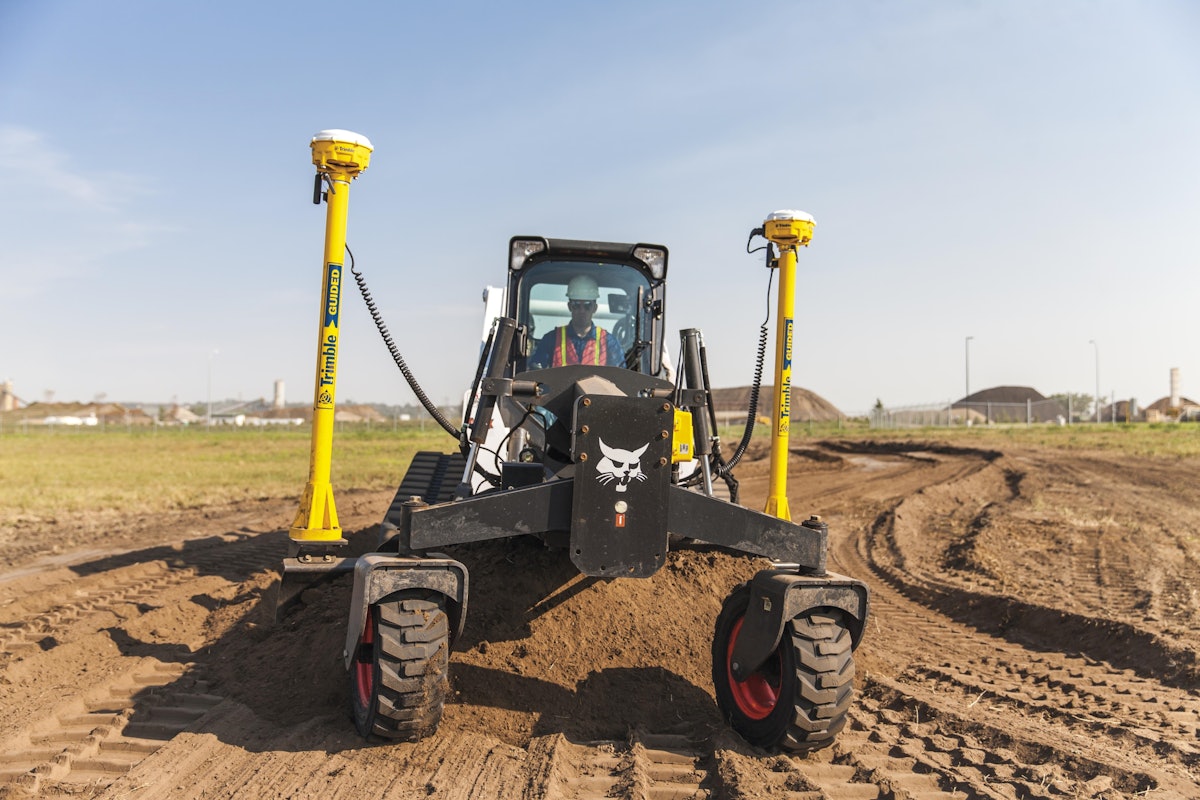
(605, 322)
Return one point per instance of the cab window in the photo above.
(622, 294)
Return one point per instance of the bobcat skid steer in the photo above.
(597, 452)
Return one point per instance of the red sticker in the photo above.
(620, 521)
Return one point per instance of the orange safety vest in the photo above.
(594, 352)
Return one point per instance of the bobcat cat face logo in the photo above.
(620, 466)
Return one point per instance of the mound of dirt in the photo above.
(806, 406)
(544, 650)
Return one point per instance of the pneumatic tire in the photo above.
(798, 700)
(398, 676)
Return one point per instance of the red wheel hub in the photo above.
(364, 667)
(757, 696)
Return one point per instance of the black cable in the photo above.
(528, 413)
(433, 410)
(752, 414)
(492, 478)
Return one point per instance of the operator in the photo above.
(580, 342)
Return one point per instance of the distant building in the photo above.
(1122, 411)
(80, 414)
(1163, 410)
(8, 400)
(1174, 407)
(180, 415)
(258, 413)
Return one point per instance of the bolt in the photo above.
(584, 429)
(328, 558)
(736, 666)
(814, 518)
(662, 462)
(583, 456)
(663, 434)
(304, 559)
(587, 401)
(666, 406)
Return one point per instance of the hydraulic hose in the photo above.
(483, 355)
(756, 385)
(752, 414)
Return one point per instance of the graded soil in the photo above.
(1035, 617)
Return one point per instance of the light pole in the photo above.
(208, 419)
(1097, 346)
(966, 401)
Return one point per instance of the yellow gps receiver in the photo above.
(786, 227)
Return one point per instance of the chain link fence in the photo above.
(947, 414)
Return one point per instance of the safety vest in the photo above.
(594, 352)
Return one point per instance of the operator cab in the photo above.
(627, 281)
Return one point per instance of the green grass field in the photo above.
(45, 472)
(50, 471)
(1167, 440)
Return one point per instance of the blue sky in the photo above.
(1025, 173)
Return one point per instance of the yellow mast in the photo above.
(787, 230)
(339, 157)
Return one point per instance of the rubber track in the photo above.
(431, 476)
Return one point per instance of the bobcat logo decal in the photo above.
(620, 466)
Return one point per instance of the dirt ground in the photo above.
(1034, 626)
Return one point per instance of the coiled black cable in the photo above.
(433, 410)
(756, 385)
(752, 414)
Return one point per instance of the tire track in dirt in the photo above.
(93, 742)
(999, 723)
(1139, 514)
(885, 550)
(56, 625)
(651, 766)
(1077, 703)
(964, 691)
(141, 693)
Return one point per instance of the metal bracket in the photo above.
(777, 596)
(691, 398)
(378, 575)
(500, 387)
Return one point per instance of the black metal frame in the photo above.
(608, 487)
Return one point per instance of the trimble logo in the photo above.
(785, 383)
(328, 360)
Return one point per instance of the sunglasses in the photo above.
(575, 305)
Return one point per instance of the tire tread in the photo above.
(817, 654)
(412, 655)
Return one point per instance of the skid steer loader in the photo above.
(599, 453)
